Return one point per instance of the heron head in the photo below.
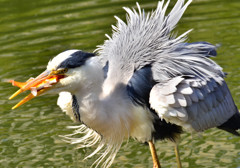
(65, 72)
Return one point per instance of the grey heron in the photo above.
(143, 83)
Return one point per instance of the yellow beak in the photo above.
(37, 86)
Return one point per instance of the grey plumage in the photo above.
(145, 83)
(190, 90)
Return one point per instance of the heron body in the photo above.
(142, 83)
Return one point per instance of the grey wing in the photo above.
(145, 38)
(193, 103)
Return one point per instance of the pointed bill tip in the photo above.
(37, 86)
(26, 99)
(15, 94)
(14, 107)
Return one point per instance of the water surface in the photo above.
(32, 32)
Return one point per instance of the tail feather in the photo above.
(232, 124)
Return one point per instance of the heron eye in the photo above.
(60, 71)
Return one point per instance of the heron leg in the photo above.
(156, 163)
(179, 164)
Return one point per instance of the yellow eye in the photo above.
(60, 71)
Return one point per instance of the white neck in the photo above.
(110, 114)
(97, 112)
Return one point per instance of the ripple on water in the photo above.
(32, 32)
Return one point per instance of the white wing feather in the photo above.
(192, 106)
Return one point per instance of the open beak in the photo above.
(37, 86)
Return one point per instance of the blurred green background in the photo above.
(32, 32)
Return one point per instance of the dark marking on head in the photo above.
(77, 59)
(75, 108)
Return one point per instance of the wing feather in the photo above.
(180, 99)
(186, 87)
(199, 107)
(188, 99)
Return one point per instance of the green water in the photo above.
(32, 32)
